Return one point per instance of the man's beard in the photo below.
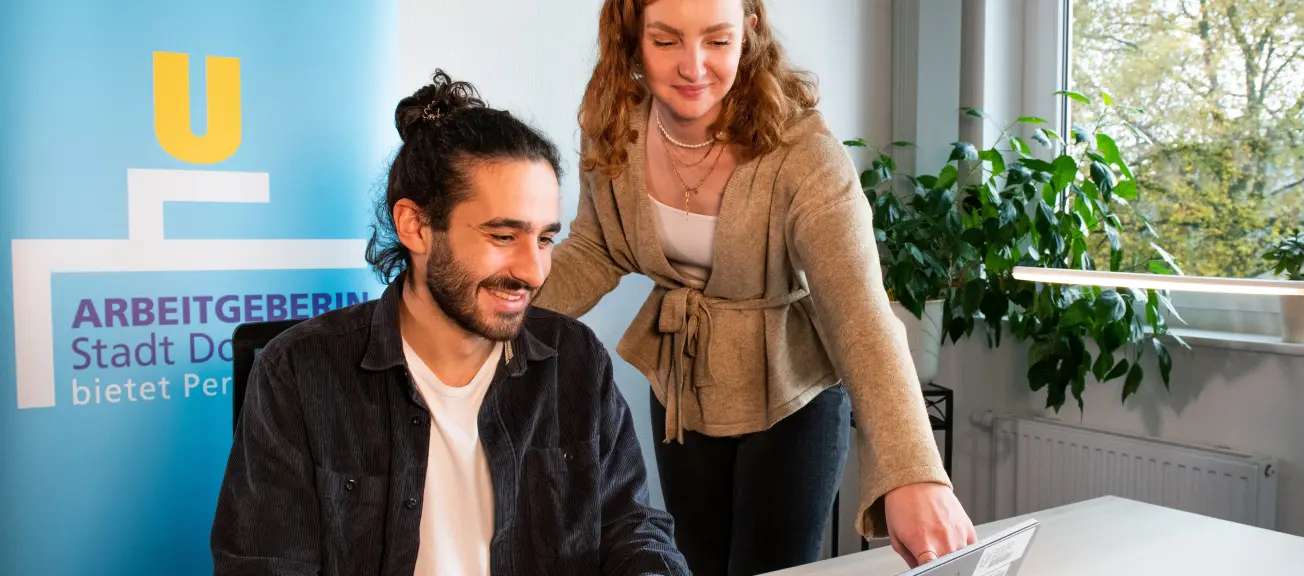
(457, 295)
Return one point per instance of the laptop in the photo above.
(1000, 554)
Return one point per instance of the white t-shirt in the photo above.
(457, 514)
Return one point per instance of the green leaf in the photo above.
(1080, 382)
(1039, 136)
(1097, 157)
(1019, 146)
(1053, 134)
(1168, 258)
(1114, 242)
(975, 237)
(1158, 267)
(936, 265)
(1109, 149)
(856, 142)
(1109, 101)
(1018, 174)
(1168, 305)
(869, 180)
(1152, 309)
(1104, 179)
(1065, 170)
(1039, 351)
(1055, 393)
(883, 171)
(1165, 361)
(976, 113)
(1104, 363)
(880, 235)
(1109, 307)
(1080, 257)
(1074, 95)
(1042, 373)
(963, 151)
(1082, 205)
(957, 328)
(1080, 135)
(946, 178)
(1115, 260)
(915, 253)
(994, 156)
(1092, 192)
(1114, 335)
(1078, 313)
(994, 306)
(1133, 382)
(973, 295)
(1126, 190)
(1031, 120)
(1118, 370)
(1045, 218)
(991, 196)
(1038, 167)
(1179, 340)
(1008, 213)
(1049, 194)
(928, 182)
(999, 260)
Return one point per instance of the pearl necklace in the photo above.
(671, 139)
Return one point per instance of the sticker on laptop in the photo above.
(1002, 554)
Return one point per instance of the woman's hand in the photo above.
(925, 522)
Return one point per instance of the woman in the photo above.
(706, 168)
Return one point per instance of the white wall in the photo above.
(534, 59)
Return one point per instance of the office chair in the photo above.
(246, 341)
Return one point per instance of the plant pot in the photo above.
(1292, 319)
(924, 336)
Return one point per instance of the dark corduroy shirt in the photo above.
(328, 465)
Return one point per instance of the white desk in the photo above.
(1117, 537)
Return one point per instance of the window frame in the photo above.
(1219, 313)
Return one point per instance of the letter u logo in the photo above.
(172, 108)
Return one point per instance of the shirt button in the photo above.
(567, 456)
(411, 504)
(348, 484)
(416, 420)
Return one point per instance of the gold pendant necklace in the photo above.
(690, 190)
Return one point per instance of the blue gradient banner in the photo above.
(168, 170)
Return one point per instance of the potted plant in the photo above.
(1287, 258)
(1012, 209)
(919, 239)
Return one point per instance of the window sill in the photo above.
(1269, 344)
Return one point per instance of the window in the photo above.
(1205, 99)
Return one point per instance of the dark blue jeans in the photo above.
(759, 502)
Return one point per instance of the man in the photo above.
(447, 428)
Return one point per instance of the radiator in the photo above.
(1043, 463)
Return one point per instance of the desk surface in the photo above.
(1116, 536)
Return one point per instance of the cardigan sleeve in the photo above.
(583, 269)
(832, 238)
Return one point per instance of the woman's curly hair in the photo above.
(767, 93)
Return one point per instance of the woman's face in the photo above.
(690, 51)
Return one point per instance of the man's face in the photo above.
(497, 251)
